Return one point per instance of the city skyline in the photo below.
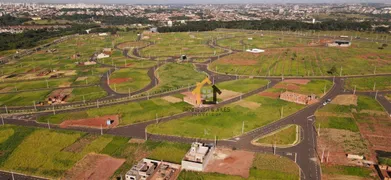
(199, 1)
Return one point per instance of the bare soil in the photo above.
(172, 99)
(227, 94)
(297, 81)
(79, 145)
(287, 86)
(94, 166)
(119, 80)
(248, 104)
(97, 122)
(345, 99)
(227, 161)
(273, 95)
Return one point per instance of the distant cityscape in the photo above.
(208, 12)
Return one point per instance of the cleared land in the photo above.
(368, 83)
(284, 136)
(129, 113)
(129, 80)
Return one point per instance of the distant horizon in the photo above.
(200, 2)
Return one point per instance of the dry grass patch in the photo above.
(248, 104)
(172, 99)
(345, 99)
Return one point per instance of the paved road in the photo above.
(304, 153)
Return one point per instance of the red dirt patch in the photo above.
(287, 86)
(230, 162)
(94, 166)
(92, 122)
(119, 80)
(297, 81)
(376, 131)
(273, 95)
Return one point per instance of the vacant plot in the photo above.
(228, 123)
(87, 94)
(172, 99)
(174, 75)
(346, 123)
(23, 98)
(94, 166)
(5, 133)
(242, 85)
(338, 172)
(248, 104)
(129, 113)
(297, 81)
(129, 80)
(368, 83)
(43, 148)
(274, 95)
(98, 122)
(345, 99)
(227, 161)
(167, 151)
(284, 137)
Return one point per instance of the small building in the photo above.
(153, 30)
(353, 156)
(88, 63)
(340, 43)
(169, 23)
(255, 50)
(297, 98)
(102, 55)
(107, 51)
(197, 157)
(152, 169)
(102, 34)
(36, 18)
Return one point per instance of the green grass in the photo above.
(268, 166)
(116, 146)
(386, 161)
(242, 85)
(174, 75)
(89, 93)
(5, 133)
(368, 103)
(129, 113)
(368, 83)
(43, 149)
(137, 79)
(337, 123)
(336, 108)
(265, 166)
(227, 124)
(23, 98)
(9, 145)
(167, 151)
(347, 170)
(284, 136)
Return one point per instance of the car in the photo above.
(328, 100)
(325, 103)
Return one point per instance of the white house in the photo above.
(102, 55)
(255, 50)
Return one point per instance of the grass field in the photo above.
(242, 85)
(167, 151)
(368, 84)
(174, 75)
(87, 93)
(284, 136)
(44, 149)
(265, 166)
(129, 113)
(135, 79)
(229, 123)
(347, 170)
(361, 58)
(23, 98)
(177, 44)
(337, 123)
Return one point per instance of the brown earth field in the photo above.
(227, 161)
(273, 95)
(94, 166)
(97, 122)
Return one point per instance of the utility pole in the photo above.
(327, 158)
(97, 103)
(101, 129)
(35, 107)
(340, 73)
(54, 111)
(146, 134)
(324, 90)
(282, 112)
(274, 148)
(157, 120)
(243, 127)
(321, 160)
(2, 120)
(319, 130)
(295, 157)
(333, 79)
(47, 84)
(129, 92)
(374, 71)
(354, 91)
(48, 124)
(84, 100)
(376, 94)
(374, 86)
(108, 78)
(215, 140)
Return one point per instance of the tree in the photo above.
(333, 70)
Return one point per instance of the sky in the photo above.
(200, 1)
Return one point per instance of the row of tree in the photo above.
(32, 38)
(268, 24)
(8, 20)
